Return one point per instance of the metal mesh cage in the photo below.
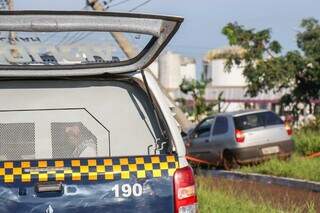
(72, 139)
(17, 141)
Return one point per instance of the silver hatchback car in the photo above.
(236, 138)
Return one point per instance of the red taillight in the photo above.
(239, 136)
(184, 191)
(288, 128)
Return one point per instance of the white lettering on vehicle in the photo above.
(127, 190)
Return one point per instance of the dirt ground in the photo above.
(278, 196)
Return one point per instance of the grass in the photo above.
(307, 141)
(221, 198)
(296, 167)
(220, 201)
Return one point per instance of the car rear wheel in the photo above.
(229, 161)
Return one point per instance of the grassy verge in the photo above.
(220, 201)
(296, 167)
(307, 141)
(223, 197)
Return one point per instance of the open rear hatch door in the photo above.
(57, 44)
(80, 43)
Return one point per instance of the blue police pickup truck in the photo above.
(84, 126)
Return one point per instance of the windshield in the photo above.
(67, 48)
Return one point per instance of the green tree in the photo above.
(266, 68)
(201, 107)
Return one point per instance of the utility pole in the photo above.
(130, 51)
(12, 35)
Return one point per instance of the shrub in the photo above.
(307, 141)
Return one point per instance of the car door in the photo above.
(200, 140)
(220, 138)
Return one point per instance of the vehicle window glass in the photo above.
(66, 48)
(72, 139)
(17, 141)
(220, 126)
(203, 129)
(250, 121)
(58, 133)
(51, 134)
(272, 119)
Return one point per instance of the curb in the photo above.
(266, 179)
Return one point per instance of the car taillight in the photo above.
(239, 136)
(184, 191)
(288, 128)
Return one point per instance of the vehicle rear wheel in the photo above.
(229, 161)
(285, 158)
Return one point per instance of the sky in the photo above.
(204, 19)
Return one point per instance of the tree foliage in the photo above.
(201, 107)
(266, 68)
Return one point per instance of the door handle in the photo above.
(47, 189)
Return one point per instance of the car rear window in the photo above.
(272, 119)
(256, 120)
(66, 48)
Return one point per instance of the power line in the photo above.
(75, 36)
(65, 37)
(117, 4)
(84, 35)
(140, 5)
(113, 5)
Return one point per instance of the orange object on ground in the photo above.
(196, 160)
(314, 155)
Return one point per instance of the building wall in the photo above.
(216, 73)
(169, 67)
(188, 71)
(173, 68)
(232, 85)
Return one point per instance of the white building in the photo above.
(232, 84)
(220, 78)
(169, 70)
(173, 68)
(188, 68)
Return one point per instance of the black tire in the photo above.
(285, 158)
(195, 167)
(229, 161)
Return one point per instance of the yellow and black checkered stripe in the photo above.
(99, 169)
